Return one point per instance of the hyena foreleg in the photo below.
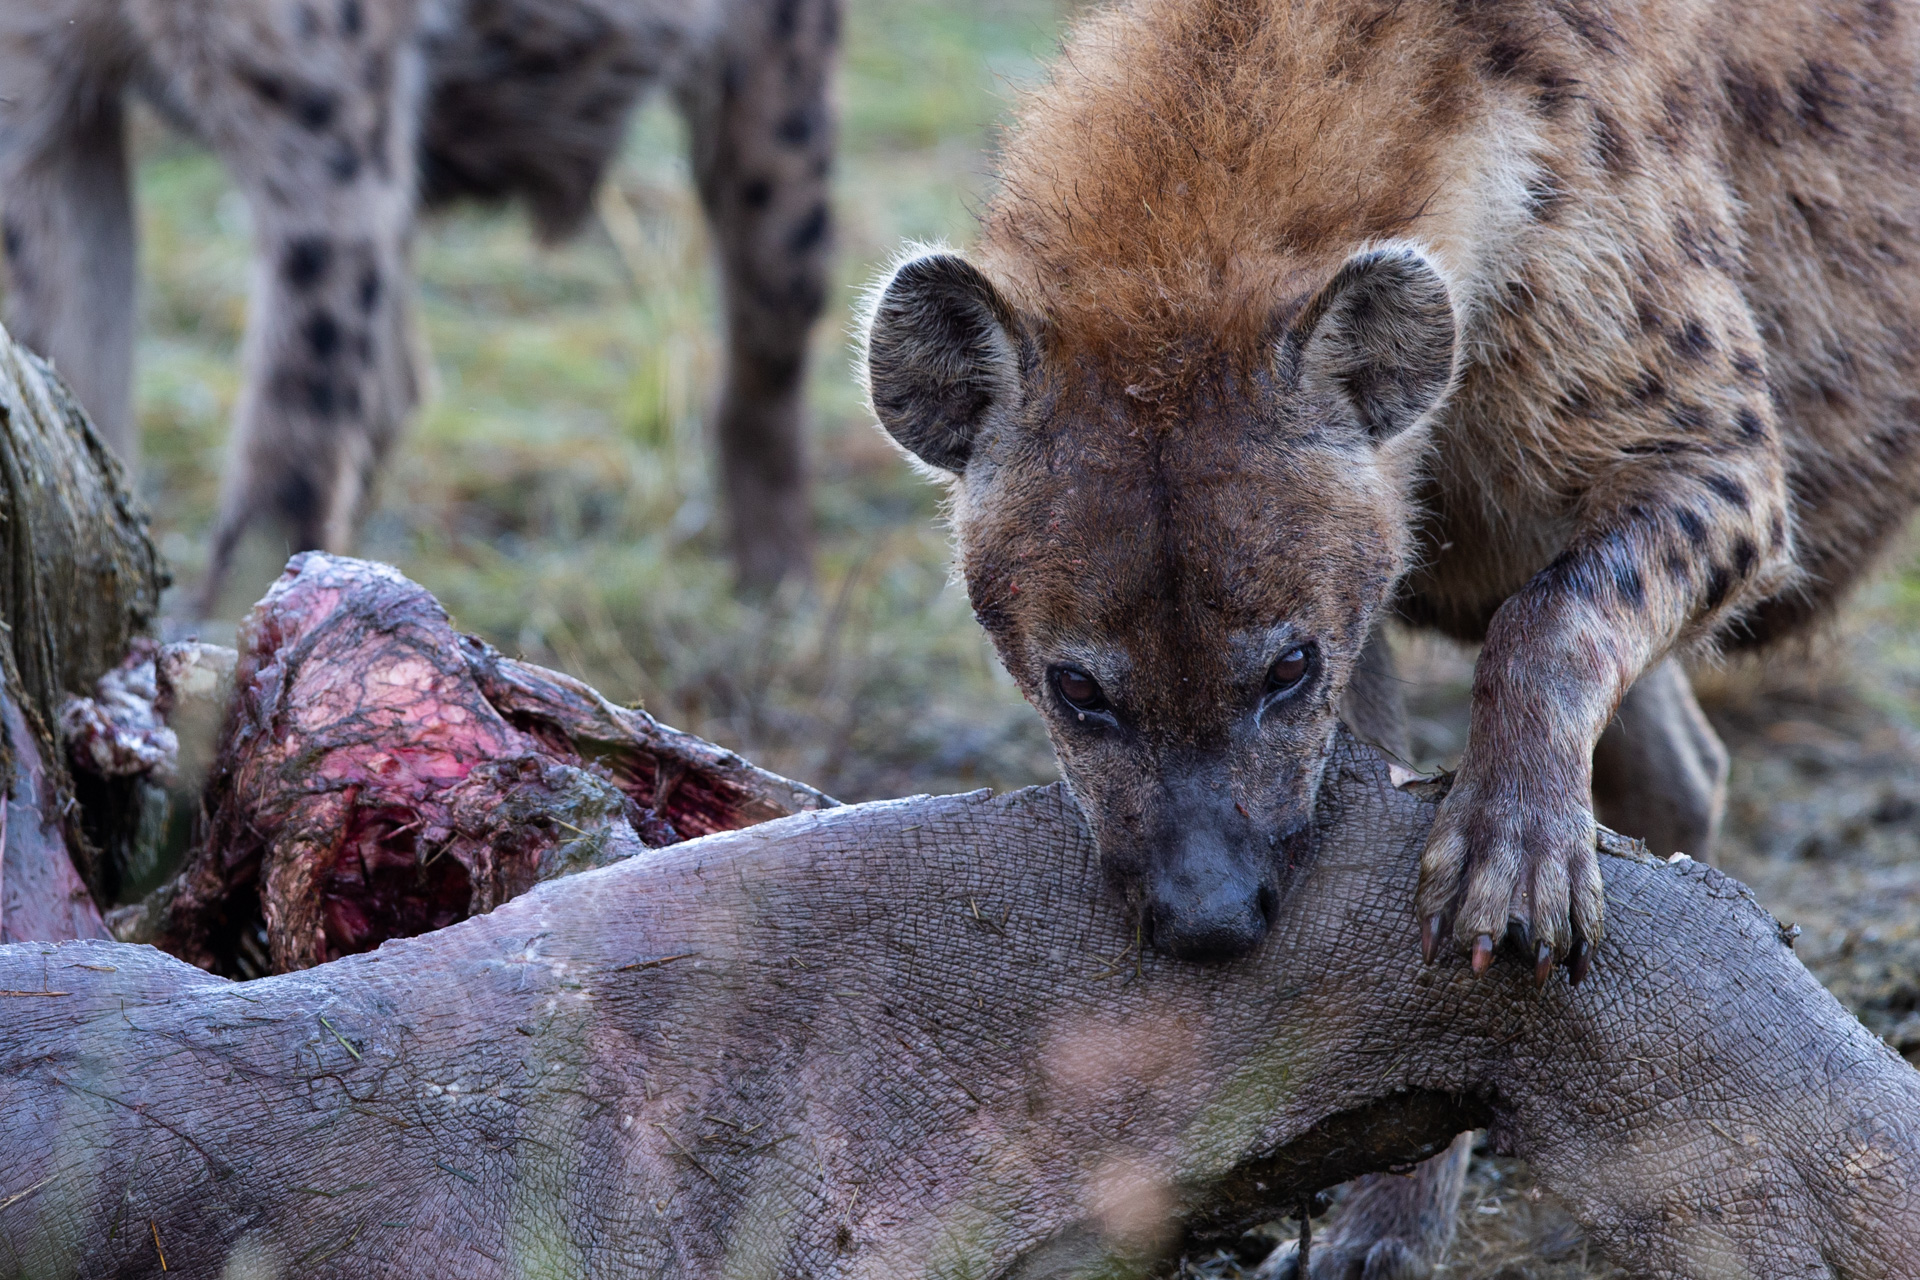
(1693, 523)
(763, 133)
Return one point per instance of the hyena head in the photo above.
(1179, 555)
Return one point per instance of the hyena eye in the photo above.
(1289, 669)
(1080, 691)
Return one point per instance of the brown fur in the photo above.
(1679, 241)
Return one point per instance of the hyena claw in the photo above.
(1578, 960)
(1431, 931)
(1482, 953)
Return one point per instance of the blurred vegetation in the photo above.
(555, 493)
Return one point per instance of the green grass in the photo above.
(554, 492)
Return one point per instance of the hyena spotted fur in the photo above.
(1584, 330)
(338, 119)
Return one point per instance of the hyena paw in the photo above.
(1511, 856)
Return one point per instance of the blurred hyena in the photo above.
(337, 118)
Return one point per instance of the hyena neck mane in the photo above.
(1208, 188)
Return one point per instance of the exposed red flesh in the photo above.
(380, 776)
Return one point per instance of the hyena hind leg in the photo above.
(67, 212)
(1375, 705)
(762, 124)
(1660, 771)
(1387, 1227)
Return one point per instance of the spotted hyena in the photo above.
(337, 118)
(1582, 330)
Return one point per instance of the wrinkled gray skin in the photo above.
(917, 1038)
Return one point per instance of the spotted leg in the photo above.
(763, 134)
(314, 110)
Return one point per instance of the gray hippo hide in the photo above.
(919, 1038)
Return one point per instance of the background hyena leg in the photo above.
(1390, 1227)
(1387, 1227)
(1659, 770)
(762, 131)
(66, 214)
(317, 123)
(1375, 705)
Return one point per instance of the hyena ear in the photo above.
(940, 358)
(1380, 336)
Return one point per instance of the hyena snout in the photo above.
(1211, 888)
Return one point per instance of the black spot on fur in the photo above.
(1552, 92)
(313, 108)
(810, 231)
(1755, 101)
(322, 333)
(756, 193)
(1610, 145)
(1646, 312)
(1649, 388)
(1719, 582)
(344, 164)
(1704, 246)
(1627, 584)
(1679, 568)
(1745, 555)
(1691, 340)
(1545, 194)
(271, 89)
(1608, 564)
(1504, 58)
(1746, 364)
(1690, 418)
(369, 289)
(786, 19)
(11, 239)
(314, 394)
(795, 128)
(353, 18)
(1731, 491)
(1777, 531)
(1693, 526)
(1676, 110)
(1590, 24)
(1751, 425)
(306, 261)
(1818, 98)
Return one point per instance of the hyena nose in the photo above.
(1206, 909)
